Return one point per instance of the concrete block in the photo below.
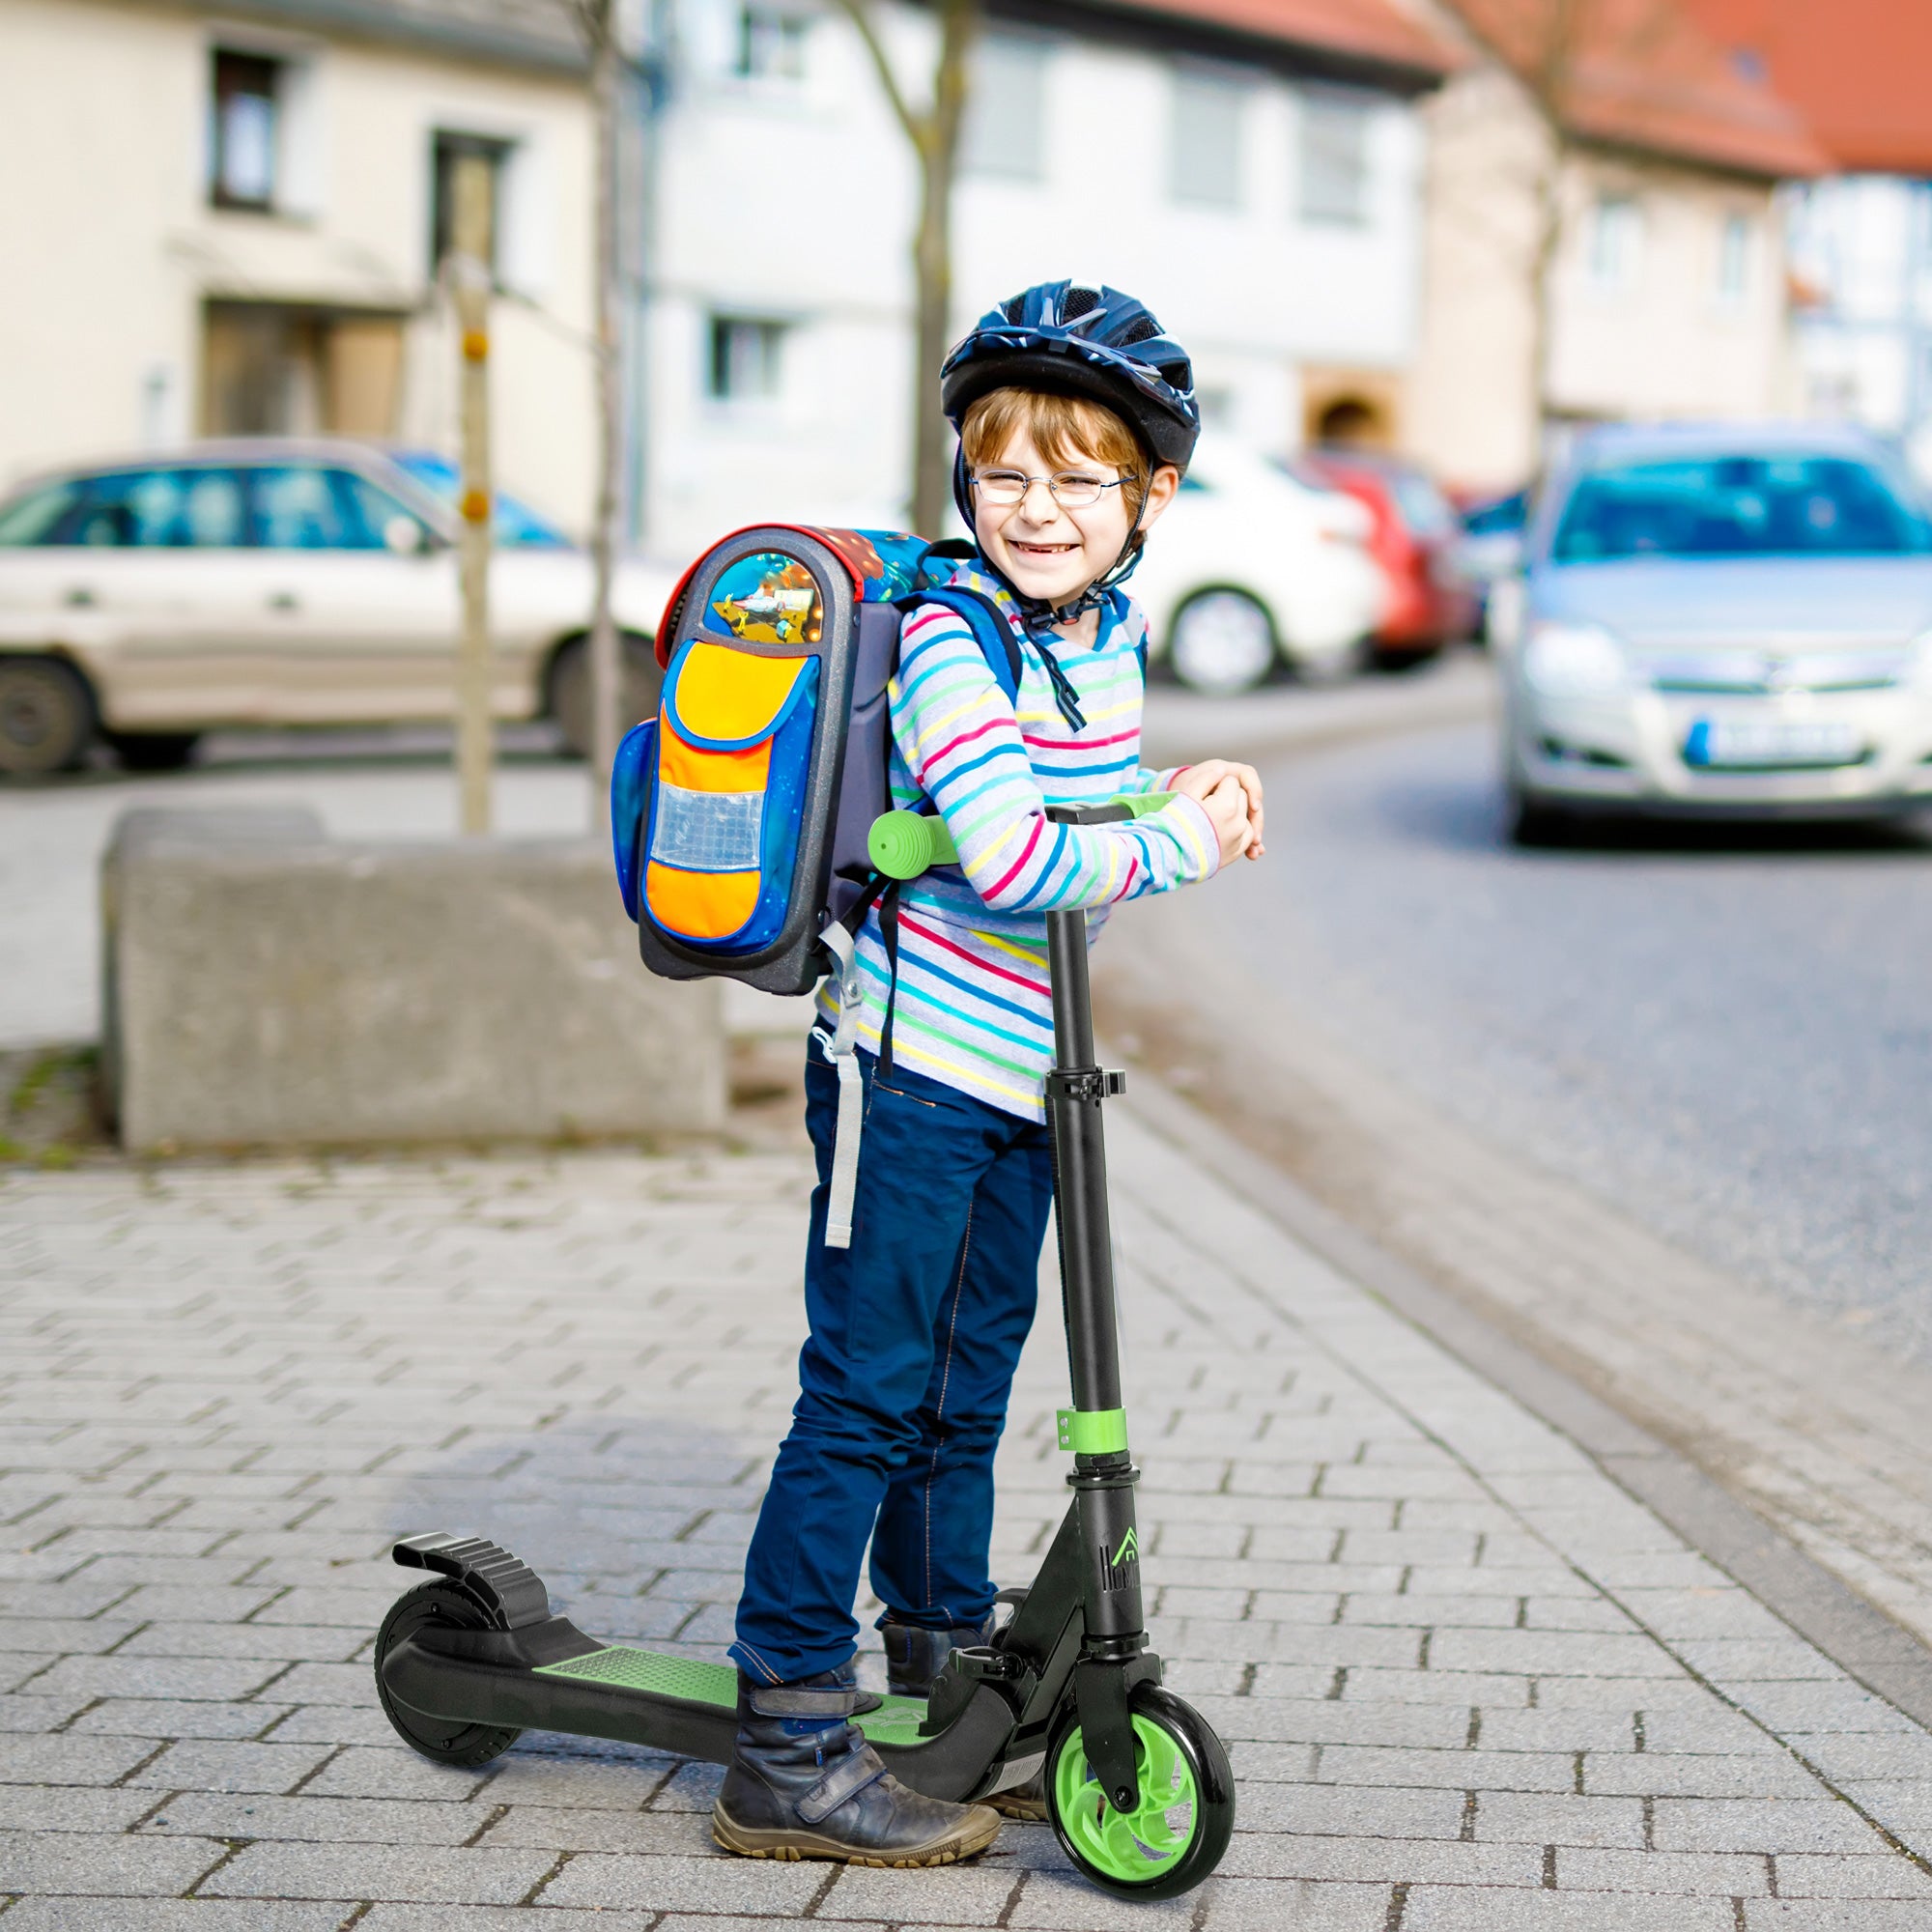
(265, 985)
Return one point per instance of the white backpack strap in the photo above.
(839, 1050)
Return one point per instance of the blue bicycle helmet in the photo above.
(1071, 340)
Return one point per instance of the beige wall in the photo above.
(1663, 345)
(111, 247)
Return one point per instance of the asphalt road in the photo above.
(1726, 1035)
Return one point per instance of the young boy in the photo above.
(1076, 418)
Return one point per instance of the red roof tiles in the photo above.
(1373, 30)
(1860, 71)
(1643, 74)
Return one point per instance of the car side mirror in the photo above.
(405, 536)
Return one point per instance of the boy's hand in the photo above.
(1201, 782)
(1227, 809)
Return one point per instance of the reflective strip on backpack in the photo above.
(839, 1050)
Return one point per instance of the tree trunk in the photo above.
(932, 273)
(605, 669)
(1544, 255)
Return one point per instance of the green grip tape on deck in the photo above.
(903, 844)
(1093, 1432)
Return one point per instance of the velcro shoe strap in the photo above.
(846, 1780)
(828, 1701)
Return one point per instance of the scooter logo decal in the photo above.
(1113, 1568)
(1130, 1550)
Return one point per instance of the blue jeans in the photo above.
(915, 1330)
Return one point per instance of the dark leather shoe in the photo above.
(804, 1784)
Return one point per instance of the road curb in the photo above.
(1864, 1642)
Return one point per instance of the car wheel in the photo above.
(1534, 822)
(154, 750)
(1221, 641)
(47, 716)
(640, 680)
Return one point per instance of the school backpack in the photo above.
(740, 813)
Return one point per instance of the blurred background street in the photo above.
(1559, 545)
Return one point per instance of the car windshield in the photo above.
(1716, 506)
(515, 523)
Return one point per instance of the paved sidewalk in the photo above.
(1469, 1686)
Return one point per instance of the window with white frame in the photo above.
(1204, 147)
(1734, 259)
(1616, 243)
(1334, 159)
(447, 150)
(1005, 133)
(743, 358)
(771, 42)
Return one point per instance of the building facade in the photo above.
(1258, 191)
(231, 220)
(1661, 289)
(1860, 237)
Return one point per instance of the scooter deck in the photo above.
(530, 1669)
(688, 1680)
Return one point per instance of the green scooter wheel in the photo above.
(448, 1741)
(1183, 1815)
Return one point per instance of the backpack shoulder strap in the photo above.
(989, 627)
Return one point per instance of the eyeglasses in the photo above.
(1071, 489)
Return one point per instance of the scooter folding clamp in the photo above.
(1087, 1082)
(961, 1676)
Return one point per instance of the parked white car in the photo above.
(1250, 563)
(271, 581)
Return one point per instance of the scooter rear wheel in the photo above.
(448, 1741)
(1184, 1815)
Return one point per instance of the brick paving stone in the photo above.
(1237, 1905)
(1547, 1818)
(560, 1829)
(67, 1808)
(1836, 1875)
(1715, 1875)
(370, 1821)
(1773, 1825)
(1658, 1773)
(201, 1764)
(69, 1760)
(404, 1872)
(972, 1895)
(1813, 1914)
(176, 1915)
(165, 1717)
(683, 1885)
(110, 1866)
(1432, 1909)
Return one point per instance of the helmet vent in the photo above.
(1078, 302)
(1140, 330)
(1015, 308)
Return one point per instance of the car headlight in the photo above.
(1575, 661)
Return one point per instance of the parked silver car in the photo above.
(1720, 619)
(271, 581)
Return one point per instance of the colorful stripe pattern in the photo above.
(975, 1008)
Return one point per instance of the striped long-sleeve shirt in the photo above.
(973, 1008)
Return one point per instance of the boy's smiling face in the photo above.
(1045, 550)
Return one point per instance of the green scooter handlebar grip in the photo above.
(903, 844)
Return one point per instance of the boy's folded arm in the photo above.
(959, 735)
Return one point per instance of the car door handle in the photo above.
(81, 597)
(284, 600)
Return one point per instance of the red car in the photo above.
(1430, 603)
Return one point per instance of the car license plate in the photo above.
(1733, 744)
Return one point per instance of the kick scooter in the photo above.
(1137, 1784)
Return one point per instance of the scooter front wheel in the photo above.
(1183, 1813)
(448, 1741)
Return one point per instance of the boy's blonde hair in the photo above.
(1064, 429)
